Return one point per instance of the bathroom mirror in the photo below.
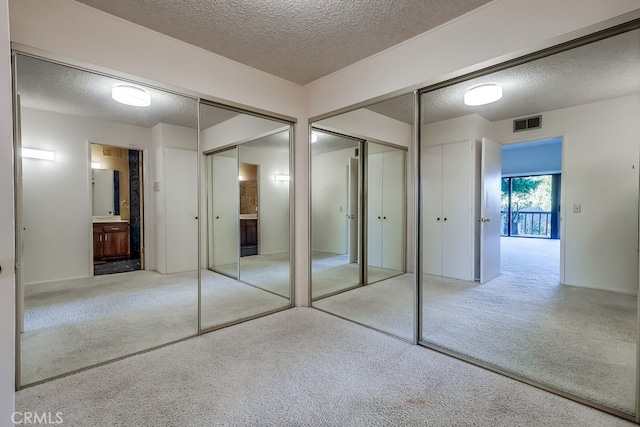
(105, 191)
(68, 317)
(530, 222)
(361, 216)
(246, 204)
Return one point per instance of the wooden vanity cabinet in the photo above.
(110, 240)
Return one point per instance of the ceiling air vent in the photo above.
(533, 122)
(111, 152)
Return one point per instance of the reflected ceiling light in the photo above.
(240, 178)
(282, 177)
(483, 94)
(96, 165)
(131, 95)
(33, 153)
(314, 137)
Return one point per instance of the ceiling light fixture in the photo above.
(96, 165)
(314, 137)
(483, 94)
(131, 95)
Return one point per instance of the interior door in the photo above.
(394, 201)
(352, 213)
(491, 175)
(432, 208)
(224, 216)
(374, 209)
(181, 210)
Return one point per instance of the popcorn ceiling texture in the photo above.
(593, 72)
(297, 40)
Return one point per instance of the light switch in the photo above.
(156, 186)
(577, 208)
(340, 208)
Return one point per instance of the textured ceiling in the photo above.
(298, 40)
(605, 69)
(51, 87)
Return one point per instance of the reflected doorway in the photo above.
(530, 209)
(117, 209)
(249, 192)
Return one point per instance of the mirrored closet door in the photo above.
(530, 220)
(246, 205)
(107, 218)
(360, 217)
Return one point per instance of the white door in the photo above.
(432, 210)
(181, 210)
(374, 210)
(491, 173)
(393, 204)
(457, 219)
(352, 212)
(224, 216)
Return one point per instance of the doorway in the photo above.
(530, 209)
(117, 209)
(248, 209)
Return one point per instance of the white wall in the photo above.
(241, 128)
(273, 199)
(532, 159)
(57, 194)
(176, 239)
(7, 260)
(463, 128)
(329, 203)
(599, 172)
(471, 42)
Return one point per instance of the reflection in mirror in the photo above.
(506, 282)
(70, 318)
(105, 189)
(246, 264)
(335, 218)
(386, 195)
(360, 216)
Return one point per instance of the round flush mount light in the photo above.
(131, 95)
(483, 94)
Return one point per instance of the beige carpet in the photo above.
(269, 272)
(579, 340)
(300, 367)
(386, 305)
(332, 273)
(575, 339)
(82, 322)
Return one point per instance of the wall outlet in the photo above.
(577, 208)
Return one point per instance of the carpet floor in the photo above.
(578, 340)
(74, 324)
(331, 273)
(300, 367)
